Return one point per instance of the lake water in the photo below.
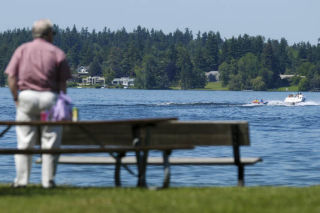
(285, 136)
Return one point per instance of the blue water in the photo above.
(285, 136)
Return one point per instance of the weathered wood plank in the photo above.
(104, 134)
(131, 160)
(165, 133)
(146, 121)
(199, 133)
(117, 149)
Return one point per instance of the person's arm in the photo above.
(64, 74)
(12, 83)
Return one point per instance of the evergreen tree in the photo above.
(248, 68)
(235, 82)
(171, 66)
(140, 80)
(224, 70)
(258, 84)
(151, 75)
(176, 58)
(95, 68)
(130, 59)
(283, 55)
(227, 70)
(267, 76)
(108, 73)
(212, 52)
(200, 59)
(304, 85)
(269, 62)
(190, 77)
(114, 62)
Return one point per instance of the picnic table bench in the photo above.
(141, 136)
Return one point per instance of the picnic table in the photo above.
(116, 137)
(140, 136)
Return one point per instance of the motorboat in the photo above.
(294, 98)
(259, 102)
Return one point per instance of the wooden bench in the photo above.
(171, 133)
(114, 137)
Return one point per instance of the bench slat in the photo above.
(200, 133)
(114, 149)
(119, 134)
(154, 160)
(197, 133)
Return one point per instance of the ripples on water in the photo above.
(285, 136)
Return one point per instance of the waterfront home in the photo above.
(83, 71)
(93, 80)
(212, 76)
(123, 81)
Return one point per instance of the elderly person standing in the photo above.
(37, 72)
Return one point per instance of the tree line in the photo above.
(158, 61)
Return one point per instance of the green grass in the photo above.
(215, 86)
(218, 86)
(285, 89)
(209, 86)
(175, 87)
(211, 199)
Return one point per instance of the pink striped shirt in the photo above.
(39, 65)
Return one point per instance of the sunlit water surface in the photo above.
(285, 136)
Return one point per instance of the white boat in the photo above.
(294, 98)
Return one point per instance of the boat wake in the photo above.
(163, 104)
(197, 104)
(203, 104)
(269, 103)
(282, 103)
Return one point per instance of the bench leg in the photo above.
(142, 167)
(117, 169)
(166, 164)
(240, 175)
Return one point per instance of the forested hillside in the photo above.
(158, 60)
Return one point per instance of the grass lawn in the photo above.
(209, 86)
(215, 86)
(218, 86)
(211, 199)
(286, 89)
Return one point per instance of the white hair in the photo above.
(41, 28)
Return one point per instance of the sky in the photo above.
(295, 20)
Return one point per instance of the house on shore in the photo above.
(93, 80)
(123, 81)
(83, 71)
(212, 76)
